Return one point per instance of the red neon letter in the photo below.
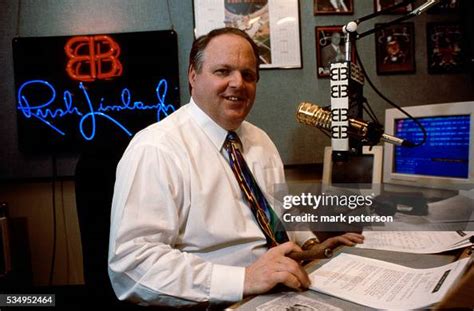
(93, 57)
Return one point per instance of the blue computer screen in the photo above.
(445, 152)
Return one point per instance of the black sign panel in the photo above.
(74, 91)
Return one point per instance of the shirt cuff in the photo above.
(303, 236)
(227, 283)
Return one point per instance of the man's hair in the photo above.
(196, 56)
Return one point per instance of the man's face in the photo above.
(225, 87)
(336, 38)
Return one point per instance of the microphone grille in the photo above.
(311, 114)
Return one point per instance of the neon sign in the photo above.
(88, 112)
(92, 57)
(91, 92)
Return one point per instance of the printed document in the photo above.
(383, 285)
(294, 301)
(419, 242)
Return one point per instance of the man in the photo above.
(331, 6)
(181, 230)
(394, 53)
(333, 51)
(339, 5)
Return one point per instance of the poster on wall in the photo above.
(333, 7)
(272, 24)
(446, 6)
(380, 5)
(395, 49)
(74, 91)
(329, 48)
(446, 51)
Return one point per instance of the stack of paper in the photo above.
(294, 301)
(420, 242)
(382, 285)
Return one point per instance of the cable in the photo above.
(422, 128)
(53, 183)
(369, 111)
(18, 18)
(169, 14)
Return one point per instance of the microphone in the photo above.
(367, 132)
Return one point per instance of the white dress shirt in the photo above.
(181, 232)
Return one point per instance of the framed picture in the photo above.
(445, 6)
(395, 49)
(380, 5)
(277, 34)
(333, 7)
(446, 53)
(329, 48)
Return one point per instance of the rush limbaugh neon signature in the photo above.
(88, 112)
(89, 90)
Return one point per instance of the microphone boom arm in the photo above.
(351, 27)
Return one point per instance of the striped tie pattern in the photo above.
(261, 209)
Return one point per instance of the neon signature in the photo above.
(87, 123)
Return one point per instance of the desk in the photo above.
(406, 259)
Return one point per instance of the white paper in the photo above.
(382, 285)
(275, 28)
(419, 242)
(284, 34)
(294, 301)
(459, 208)
(209, 14)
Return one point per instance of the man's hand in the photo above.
(318, 250)
(275, 267)
(349, 239)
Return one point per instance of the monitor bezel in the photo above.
(428, 181)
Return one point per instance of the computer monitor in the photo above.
(363, 169)
(445, 160)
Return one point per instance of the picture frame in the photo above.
(329, 47)
(380, 5)
(395, 49)
(445, 48)
(333, 7)
(279, 43)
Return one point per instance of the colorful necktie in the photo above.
(264, 214)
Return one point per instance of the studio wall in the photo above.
(279, 90)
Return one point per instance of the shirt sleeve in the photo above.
(300, 237)
(148, 210)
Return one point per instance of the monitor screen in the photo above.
(445, 152)
(445, 159)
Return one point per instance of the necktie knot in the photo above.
(232, 138)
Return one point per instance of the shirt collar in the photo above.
(215, 133)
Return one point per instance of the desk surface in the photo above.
(406, 259)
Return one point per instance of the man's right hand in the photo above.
(275, 267)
